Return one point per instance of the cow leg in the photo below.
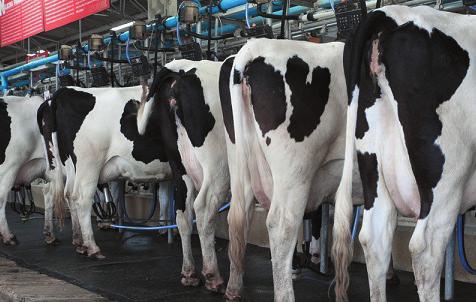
(75, 226)
(239, 219)
(48, 228)
(430, 238)
(85, 185)
(283, 222)
(376, 235)
(6, 183)
(206, 207)
(185, 227)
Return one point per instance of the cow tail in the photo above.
(46, 119)
(355, 58)
(237, 217)
(59, 207)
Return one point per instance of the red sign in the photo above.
(20, 19)
(61, 12)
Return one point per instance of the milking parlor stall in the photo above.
(237, 150)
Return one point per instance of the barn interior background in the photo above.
(46, 44)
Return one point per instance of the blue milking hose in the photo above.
(356, 223)
(158, 228)
(461, 250)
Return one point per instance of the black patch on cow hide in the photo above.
(267, 94)
(268, 141)
(192, 110)
(5, 130)
(71, 108)
(168, 129)
(423, 71)
(236, 76)
(308, 99)
(369, 176)
(369, 92)
(47, 125)
(225, 97)
(147, 147)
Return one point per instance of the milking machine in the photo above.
(23, 202)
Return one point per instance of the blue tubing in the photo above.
(127, 51)
(461, 251)
(356, 223)
(247, 17)
(158, 228)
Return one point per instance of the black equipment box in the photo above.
(262, 31)
(348, 16)
(140, 66)
(100, 77)
(191, 51)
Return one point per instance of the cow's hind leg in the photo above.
(6, 183)
(283, 221)
(378, 226)
(430, 238)
(48, 228)
(85, 185)
(206, 206)
(239, 219)
(185, 227)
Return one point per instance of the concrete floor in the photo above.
(145, 268)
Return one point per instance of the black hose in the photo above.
(283, 20)
(276, 17)
(113, 37)
(194, 34)
(156, 50)
(209, 44)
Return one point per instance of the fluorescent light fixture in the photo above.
(118, 28)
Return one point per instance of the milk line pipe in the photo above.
(158, 228)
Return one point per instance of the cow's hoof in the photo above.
(393, 281)
(77, 243)
(230, 297)
(11, 241)
(97, 255)
(190, 280)
(82, 250)
(214, 284)
(52, 240)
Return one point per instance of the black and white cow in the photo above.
(285, 117)
(185, 94)
(93, 139)
(22, 158)
(411, 83)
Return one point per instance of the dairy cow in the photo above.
(21, 158)
(185, 94)
(93, 138)
(285, 118)
(410, 76)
